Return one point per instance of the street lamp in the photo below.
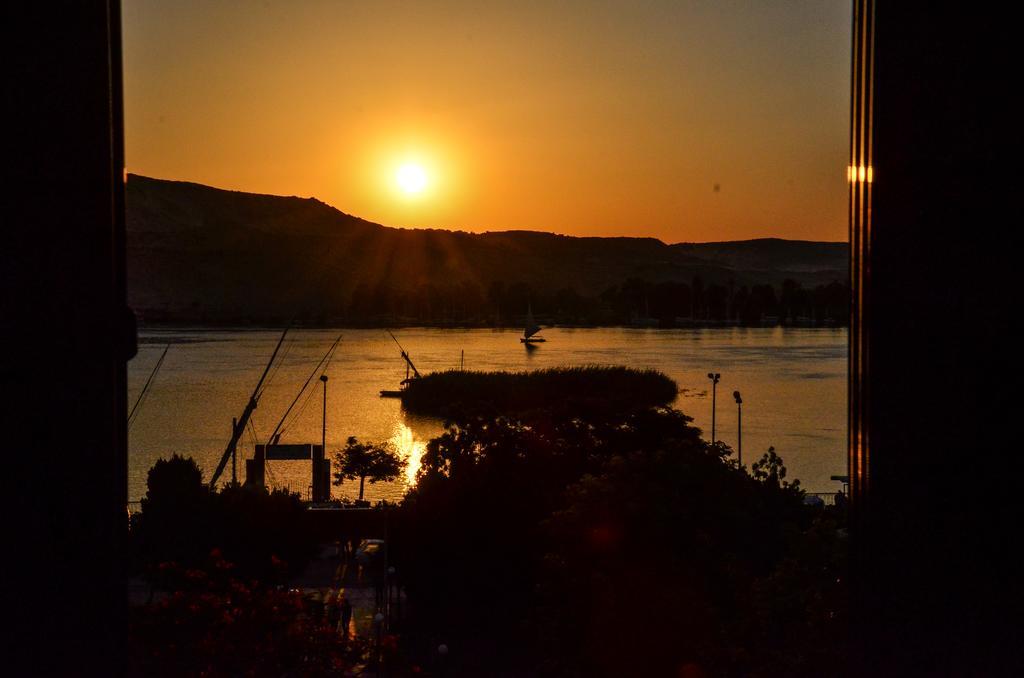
(714, 377)
(739, 427)
(323, 433)
(378, 623)
(390, 588)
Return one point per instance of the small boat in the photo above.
(386, 393)
(531, 329)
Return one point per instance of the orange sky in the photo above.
(584, 118)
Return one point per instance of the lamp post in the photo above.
(390, 588)
(378, 623)
(714, 377)
(739, 427)
(323, 431)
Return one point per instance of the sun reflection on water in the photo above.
(410, 449)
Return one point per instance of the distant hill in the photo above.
(201, 254)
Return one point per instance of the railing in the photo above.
(829, 498)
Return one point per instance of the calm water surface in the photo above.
(793, 382)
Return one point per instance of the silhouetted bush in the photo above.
(267, 534)
(264, 534)
(614, 543)
(663, 559)
(175, 522)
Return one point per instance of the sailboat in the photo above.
(531, 329)
(387, 393)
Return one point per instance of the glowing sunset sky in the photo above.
(583, 118)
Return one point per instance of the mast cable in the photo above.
(289, 343)
(239, 429)
(323, 362)
(145, 388)
(322, 269)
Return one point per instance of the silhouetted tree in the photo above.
(175, 520)
(762, 302)
(730, 301)
(666, 302)
(636, 295)
(741, 303)
(378, 463)
(698, 297)
(496, 296)
(770, 470)
(716, 301)
(832, 302)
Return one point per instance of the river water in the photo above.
(792, 380)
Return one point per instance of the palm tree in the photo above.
(378, 462)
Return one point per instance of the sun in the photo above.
(411, 178)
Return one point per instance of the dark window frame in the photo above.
(933, 586)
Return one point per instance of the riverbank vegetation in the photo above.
(568, 540)
(263, 533)
(554, 391)
(616, 543)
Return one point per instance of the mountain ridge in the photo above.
(203, 254)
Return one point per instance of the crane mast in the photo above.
(408, 361)
(243, 421)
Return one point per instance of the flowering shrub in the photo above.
(216, 624)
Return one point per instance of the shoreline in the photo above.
(260, 327)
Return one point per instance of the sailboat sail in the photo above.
(532, 327)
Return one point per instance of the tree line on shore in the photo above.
(635, 300)
(669, 303)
